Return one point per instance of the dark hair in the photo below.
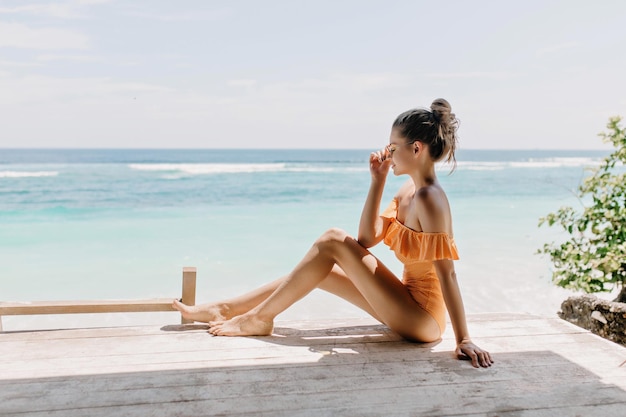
(435, 128)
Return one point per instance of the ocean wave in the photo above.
(211, 168)
(173, 171)
(477, 166)
(26, 174)
(560, 162)
(179, 170)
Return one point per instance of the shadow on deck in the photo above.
(544, 367)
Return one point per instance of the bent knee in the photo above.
(333, 239)
(332, 235)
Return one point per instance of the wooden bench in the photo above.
(104, 306)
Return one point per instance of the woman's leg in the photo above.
(381, 292)
(336, 283)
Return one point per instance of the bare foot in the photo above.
(203, 313)
(244, 325)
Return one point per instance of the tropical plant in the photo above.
(594, 258)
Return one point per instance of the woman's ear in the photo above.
(417, 147)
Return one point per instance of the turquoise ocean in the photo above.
(117, 224)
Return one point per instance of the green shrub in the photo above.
(594, 258)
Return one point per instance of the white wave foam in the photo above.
(556, 163)
(485, 168)
(480, 166)
(174, 171)
(531, 163)
(180, 170)
(26, 174)
(198, 169)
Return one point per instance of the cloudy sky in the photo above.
(307, 74)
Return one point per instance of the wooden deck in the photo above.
(544, 367)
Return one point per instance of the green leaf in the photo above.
(593, 259)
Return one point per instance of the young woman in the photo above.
(417, 225)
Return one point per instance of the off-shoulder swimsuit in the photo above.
(418, 251)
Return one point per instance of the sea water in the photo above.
(116, 224)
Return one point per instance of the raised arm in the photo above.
(435, 218)
(371, 225)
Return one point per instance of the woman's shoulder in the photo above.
(431, 194)
(434, 209)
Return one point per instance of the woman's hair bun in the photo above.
(442, 110)
(446, 125)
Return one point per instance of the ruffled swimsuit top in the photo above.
(417, 251)
(414, 248)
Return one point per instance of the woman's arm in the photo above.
(435, 218)
(466, 349)
(371, 225)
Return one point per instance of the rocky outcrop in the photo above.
(602, 317)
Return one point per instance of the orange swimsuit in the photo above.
(417, 251)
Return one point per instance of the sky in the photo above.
(533, 74)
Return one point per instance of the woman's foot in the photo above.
(203, 313)
(244, 325)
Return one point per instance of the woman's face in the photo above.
(402, 154)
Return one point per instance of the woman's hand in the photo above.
(380, 161)
(466, 350)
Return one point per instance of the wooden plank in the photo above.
(343, 368)
(333, 395)
(69, 353)
(147, 349)
(189, 289)
(103, 306)
(289, 336)
(86, 306)
(308, 330)
(99, 332)
(347, 367)
(425, 362)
